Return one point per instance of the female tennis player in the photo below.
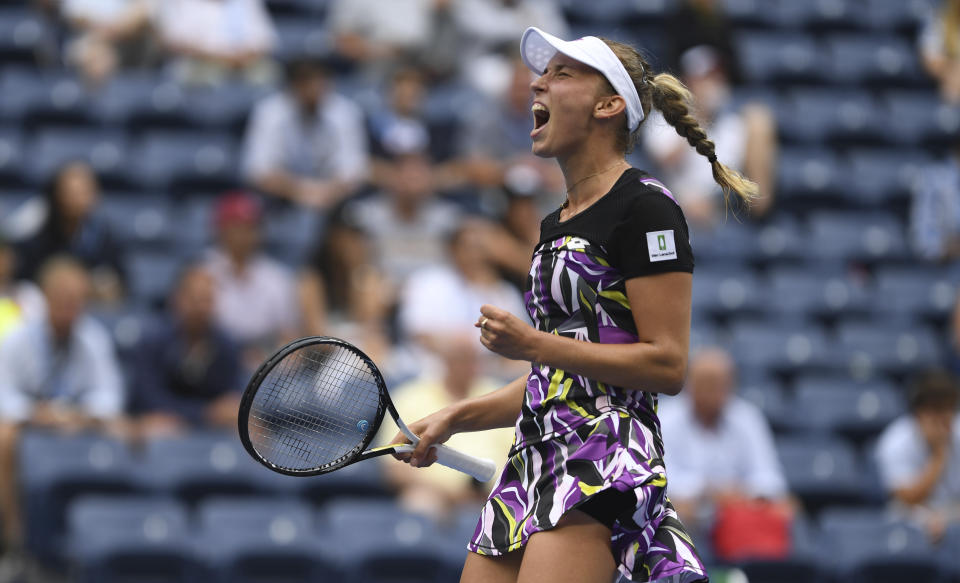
(583, 493)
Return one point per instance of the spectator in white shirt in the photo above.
(20, 300)
(718, 447)
(377, 34)
(59, 373)
(256, 295)
(918, 455)
(306, 144)
(443, 300)
(107, 35)
(213, 40)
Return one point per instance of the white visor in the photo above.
(538, 47)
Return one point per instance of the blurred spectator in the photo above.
(935, 213)
(495, 148)
(918, 455)
(437, 490)
(512, 239)
(406, 221)
(745, 138)
(306, 144)
(342, 291)
(255, 294)
(696, 23)
(376, 34)
(107, 35)
(491, 28)
(940, 48)
(211, 41)
(445, 299)
(719, 449)
(188, 370)
(72, 226)
(57, 373)
(20, 301)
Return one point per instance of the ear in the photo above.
(609, 106)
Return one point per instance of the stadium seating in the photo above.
(257, 540)
(868, 545)
(112, 540)
(62, 468)
(822, 471)
(824, 304)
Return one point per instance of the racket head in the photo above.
(312, 407)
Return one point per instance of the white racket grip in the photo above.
(480, 468)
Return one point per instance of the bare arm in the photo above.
(656, 363)
(922, 487)
(499, 408)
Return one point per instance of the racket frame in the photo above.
(356, 454)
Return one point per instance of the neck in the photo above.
(588, 176)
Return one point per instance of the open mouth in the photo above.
(541, 115)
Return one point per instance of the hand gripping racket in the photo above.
(315, 405)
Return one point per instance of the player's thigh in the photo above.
(577, 550)
(487, 569)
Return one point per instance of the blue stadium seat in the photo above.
(732, 241)
(151, 276)
(11, 156)
(117, 539)
(45, 98)
(769, 57)
(198, 466)
(105, 150)
(914, 292)
(24, 35)
(894, 14)
(949, 557)
(223, 106)
(314, 9)
(751, 12)
(822, 471)
(824, 292)
(289, 233)
(881, 177)
(817, 16)
(830, 115)
(869, 237)
(141, 101)
(57, 470)
(879, 59)
(389, 545)
(780, 240)
(142, 223)
(770, 397)
(778, 348)
(889, 347)
(808, 173)
(260, 540)
(858, 411)
(611, 12)
(179, 161)
(919, 117)
(361, 480)
(726, 291)
(298, 37)
(873, 546)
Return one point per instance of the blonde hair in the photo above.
(672, 99)
(951, 28)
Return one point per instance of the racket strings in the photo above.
(316, 406)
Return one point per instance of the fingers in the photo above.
(401, 438)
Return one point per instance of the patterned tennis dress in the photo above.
(576, 437)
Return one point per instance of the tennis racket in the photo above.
(314, 407)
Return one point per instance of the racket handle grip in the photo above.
(481, 469)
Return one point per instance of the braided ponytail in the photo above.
(667, 94)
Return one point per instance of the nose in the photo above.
(537, 85)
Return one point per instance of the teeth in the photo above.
(538, 107)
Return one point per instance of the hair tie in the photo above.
(712, 158)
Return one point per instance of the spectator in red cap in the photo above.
(255, 293)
